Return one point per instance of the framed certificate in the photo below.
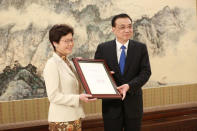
(96, 78)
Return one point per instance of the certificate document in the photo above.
(96, 78)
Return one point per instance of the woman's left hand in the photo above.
(86, 98)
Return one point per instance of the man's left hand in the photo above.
(123, 90)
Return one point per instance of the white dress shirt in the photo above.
(119, 50)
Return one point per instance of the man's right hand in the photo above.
(123, 90)
(112, 72)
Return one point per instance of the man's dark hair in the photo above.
(119, 16)
(57, 31)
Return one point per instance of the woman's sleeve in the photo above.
(51, 77)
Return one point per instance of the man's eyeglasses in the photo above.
(124, 27)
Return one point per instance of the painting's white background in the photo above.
(177, 66)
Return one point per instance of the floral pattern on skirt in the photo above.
(65, 126)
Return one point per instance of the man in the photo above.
(130, 68)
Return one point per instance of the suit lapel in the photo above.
(130, 55)
(114, 57)
(64, 67)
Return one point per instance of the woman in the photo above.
(62, 84)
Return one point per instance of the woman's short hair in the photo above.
(57, 31)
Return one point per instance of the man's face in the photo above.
(65, 44)
(123, 29)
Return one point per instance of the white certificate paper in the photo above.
(97, 78)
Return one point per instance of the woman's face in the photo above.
(65, 44)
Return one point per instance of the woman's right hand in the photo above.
(86, 98)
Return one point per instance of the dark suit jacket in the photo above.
(136, 73)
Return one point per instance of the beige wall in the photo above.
(37, 109)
